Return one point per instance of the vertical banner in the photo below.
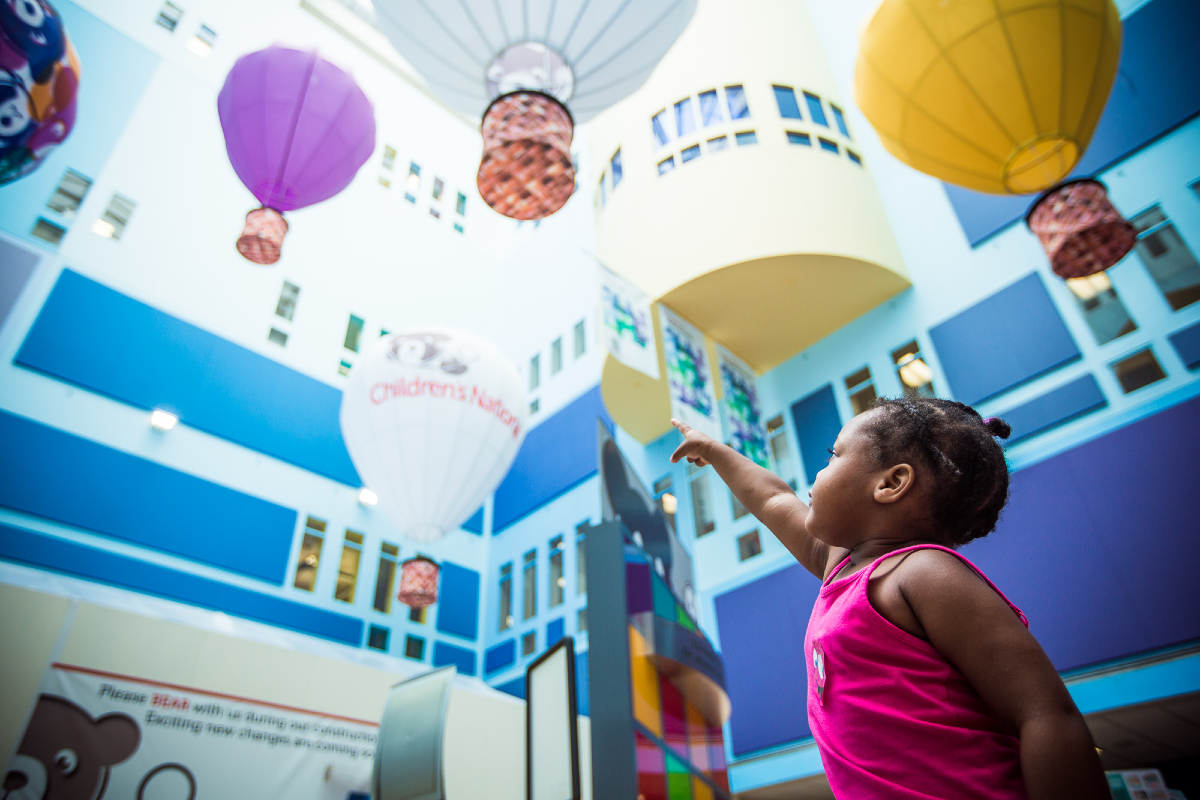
(743, 411)
(100, 735)
(625, 322)
(693, 399)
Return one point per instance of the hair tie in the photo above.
(990, 420)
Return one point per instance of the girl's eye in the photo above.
(831, 453)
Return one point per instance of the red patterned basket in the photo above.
(262, 238)
(418, 582)
(1080, 230)
(526, 172)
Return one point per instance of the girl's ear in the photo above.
(895, 483)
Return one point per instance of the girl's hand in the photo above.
(696, 446)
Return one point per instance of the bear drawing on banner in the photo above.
(66, 754)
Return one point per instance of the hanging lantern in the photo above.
(39, 80)
(418, 582)
(297, 129)
(432, 419)
(1080, 230)
(1000, 98)
(534, 70)
(526, 172)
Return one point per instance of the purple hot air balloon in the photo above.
(297, 129)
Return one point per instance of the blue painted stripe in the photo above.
(458, 601)
(1187, 343)
(100, 339)
(500, 656)
(1063, 404)
(817, 425)
(1142, 685)
(59, 476)
(445, 654)
(72, 558)
(798, 761)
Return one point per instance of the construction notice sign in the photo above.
(99, 735)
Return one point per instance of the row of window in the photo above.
(743, 138)
(65, 201)
(412, 186)
(556, 581)
(579, 348)
(378, 639)
(666, 125)
(201, 43)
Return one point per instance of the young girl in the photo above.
(923, 679)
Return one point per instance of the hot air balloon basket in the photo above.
(1080, 230)
(262, 238)
(418, 582)
(526, 172)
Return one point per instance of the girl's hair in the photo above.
(959, 448)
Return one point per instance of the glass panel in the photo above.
(697, 738)
(735, 98)
(840, 120)
(781, 451)
(389, 157)
(799, 138)
(644, 681)
(413, 182)
(785, 98)
(815, 110)
(701, 506)
(1167, 258)
(748, 546)
(861, 390)
(617, 171)
(377, 638)
(310, 554)
(112, 222)
(69, 193)
(826, 144)
(506, 615)
(659, 125)
(530, 595)
(529, 644)
(746, 137)
(354, 330)
(685, 120)
(701, 790)
(286, 306)
(1138, 370)
(719, 143)
(418, 615)
(1102, 309)
(556, 356)
(580, 559)
(853, 156)
(651, 770)
(385, 581)
(278, 337)
(414, 647)
(666, 165)
(716, 758)
(535, 372)
(710, 108)
(557, 582)
(602, 194)
(915, 375)
(438, 187)
(48, 231)
(739, 510)
(461, 205)
(580, 339)
(689, 153)
(679, 779)
(674, 716)
(581, 620)
(348, 569)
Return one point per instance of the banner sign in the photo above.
(743, 411)
(100, 735)
(689, 375)
(626, 325)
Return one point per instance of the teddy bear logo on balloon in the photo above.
(434, 350)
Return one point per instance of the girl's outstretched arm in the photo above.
(762, 492)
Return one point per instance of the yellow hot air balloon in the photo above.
(1000, 96)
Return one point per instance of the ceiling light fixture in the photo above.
(162, 420)
(367, 497)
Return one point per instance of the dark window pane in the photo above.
(1138, 370)
(815, 109)
(785, 98)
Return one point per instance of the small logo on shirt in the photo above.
(818, 662)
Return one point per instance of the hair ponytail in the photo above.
(997, 427)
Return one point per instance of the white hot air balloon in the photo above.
(433, 418)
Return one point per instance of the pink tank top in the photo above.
(892, 718)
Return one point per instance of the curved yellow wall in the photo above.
(766, 247)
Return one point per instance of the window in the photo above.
(418, 615)
(581, 558)
(529, 643)
(685, 120)
(615, 165)
(799, 138)
(169, 16)
(49, 231)
(69, 193)
(529, 577)
(1138, 370)
(601, 190)
(438, 187)
(746, 137)
(815, 110)
(658, 124)
(739, 510)
(861, 390)
(829, 145)
(781, 451)
(710, 108)
(410, 197)
(689, 153)
(535, 405)
(840, 120)
(435, 213)
(666, 165)
(719, 143)
(535, 372)
(1102, 309)
(506, 617)
(112, 222)
(556, 356)
(735, 98)
(414, 648)
(389, 157)
(1167, 258)
(278, 337)
(785, 98)
(458, 227)
(344, 367)
(377, 639)
(558, 583)
(701, 504)
(580, 338)
(348, 569)
(412, 184)
(354, 330)
(384, 182)
(916, 377)
(748, 545)
(310, 554)
(202, 43)
(286, 305)
(581, 620)
(460, 205)
(853, 156)
(385, 578)
(666, 500)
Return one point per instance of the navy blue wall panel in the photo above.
(60, 555)
(16, 265)
(817, 425)
(1187, 344)
(475, 523)
(53, 474)
(555, 630)
(1065, 403)
(515, 687)
(445, 654)
(100, 339)
(1155, 91)
(1002, 341)
(500, 656)
(458, 601)
(762, 627)
(556, 455)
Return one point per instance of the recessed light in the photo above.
(163, 420)
(367, 497)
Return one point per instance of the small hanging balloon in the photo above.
(39, 80)
(297, 129)
(432, 418)
(526, 172)
(1080, 230)
(418, 582)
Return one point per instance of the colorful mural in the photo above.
(689, 375)
(743, 410)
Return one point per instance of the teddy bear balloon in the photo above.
(39, 80)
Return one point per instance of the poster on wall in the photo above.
(100, 735)
(743, 410)
(627, 330)
(689, 375)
